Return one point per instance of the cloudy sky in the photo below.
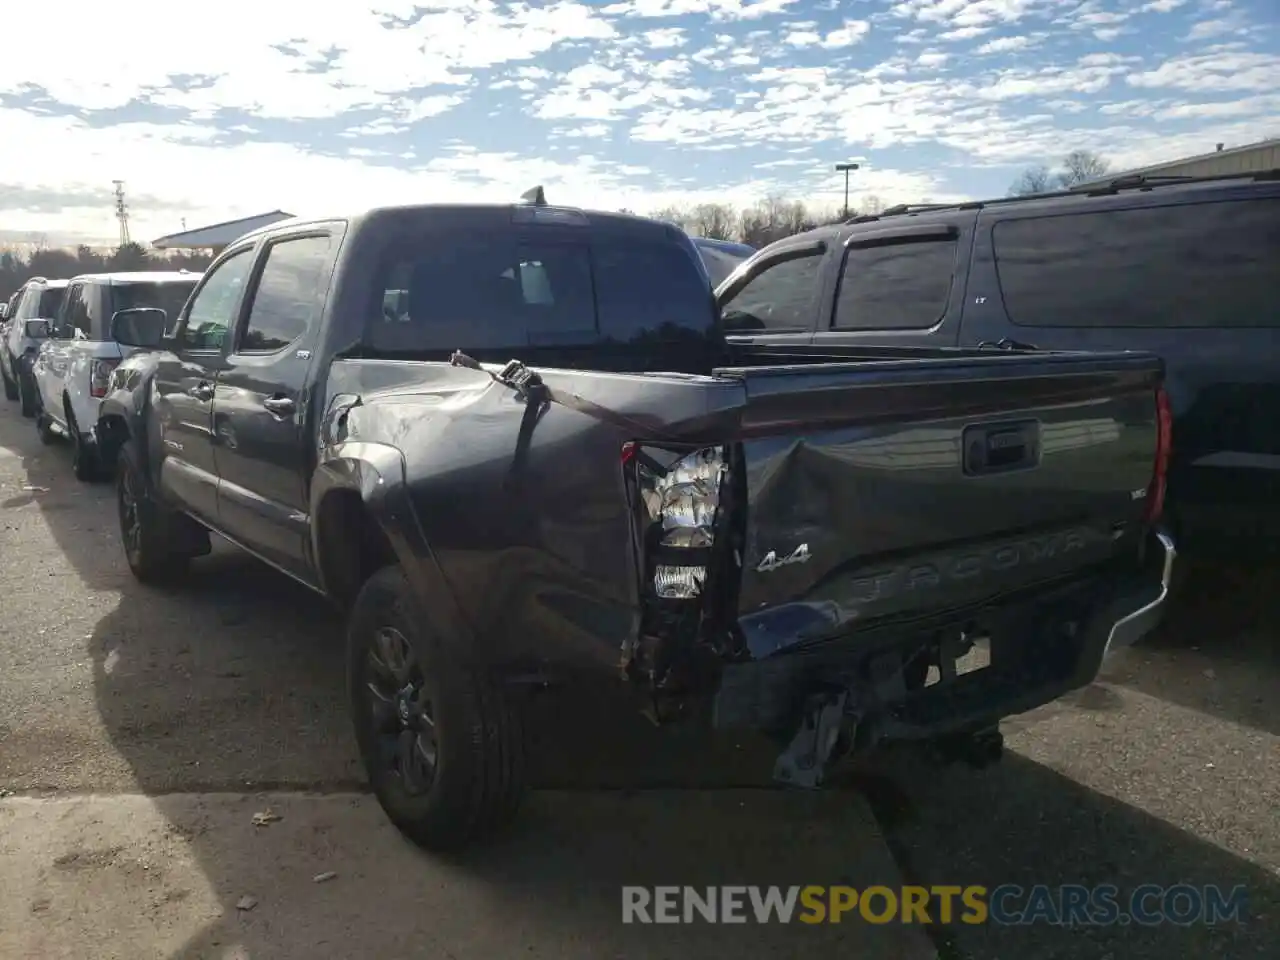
(252, 105)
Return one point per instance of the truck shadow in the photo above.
(1024, 824)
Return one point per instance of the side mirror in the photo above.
(37, 329)
(139, 326)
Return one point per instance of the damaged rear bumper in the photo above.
(878, 684)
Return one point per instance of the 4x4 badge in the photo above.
(771, 560)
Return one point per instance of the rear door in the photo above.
(53, 362)
(259, 424)
(902, 284)
(1193, 280)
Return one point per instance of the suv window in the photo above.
(289, 294)
(212, 309)
(779, 299)
(50, 300)
(482, 292)
(73, 321)
(897, 285)
(170, 296)
(1185, 265)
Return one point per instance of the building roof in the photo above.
(219, 234)
(1182, 161)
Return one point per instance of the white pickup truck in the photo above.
(77, 356)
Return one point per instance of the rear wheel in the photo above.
(442, 745)
(26, 393)
(10, 388)
(147, 530)
(84, 460)
(44, 428)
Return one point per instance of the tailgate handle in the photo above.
(1001, 447)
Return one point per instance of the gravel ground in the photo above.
(1165, 771)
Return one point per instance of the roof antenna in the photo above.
(536, 196)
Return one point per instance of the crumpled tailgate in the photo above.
(876, 490)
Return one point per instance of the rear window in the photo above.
(170, 296)
(508, 291)
(1187, 265)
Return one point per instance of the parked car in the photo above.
(725, 533)
(1186, 269)
(38, 299)
(71, 368)
(721, 257)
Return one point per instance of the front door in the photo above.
(259, 410)
(184, 386)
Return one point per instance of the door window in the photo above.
(289, 294)
(1180, 265)
(73, 320)
(897, 285)
(212, 309)
(778, 299)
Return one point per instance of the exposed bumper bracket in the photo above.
(1135, 625)
(804, 762)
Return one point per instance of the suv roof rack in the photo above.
(1136, 181)
(899, 209)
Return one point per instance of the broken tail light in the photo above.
(100, 376)
(678, 497)
(1164, 448)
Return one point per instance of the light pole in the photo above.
(845, 168)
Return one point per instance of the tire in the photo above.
(26, 395)
(10, 388)
(44, 428)
(478, 779)
(84, 461)
(153, 554)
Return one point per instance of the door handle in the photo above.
(201, 391)
(280, 406)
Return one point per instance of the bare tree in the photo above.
(715, 221)
(1037, 179)
(1081, 166)
(680, 216)
(870, 205)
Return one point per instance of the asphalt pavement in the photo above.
(198, 706)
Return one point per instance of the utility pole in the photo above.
(845, 168)
(122, 212)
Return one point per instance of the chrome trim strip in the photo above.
(1166, 577)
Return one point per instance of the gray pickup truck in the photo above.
(601, 487)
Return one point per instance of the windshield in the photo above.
(169, 296)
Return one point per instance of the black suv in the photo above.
(1186, 268)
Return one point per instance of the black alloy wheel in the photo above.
(401, 712)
